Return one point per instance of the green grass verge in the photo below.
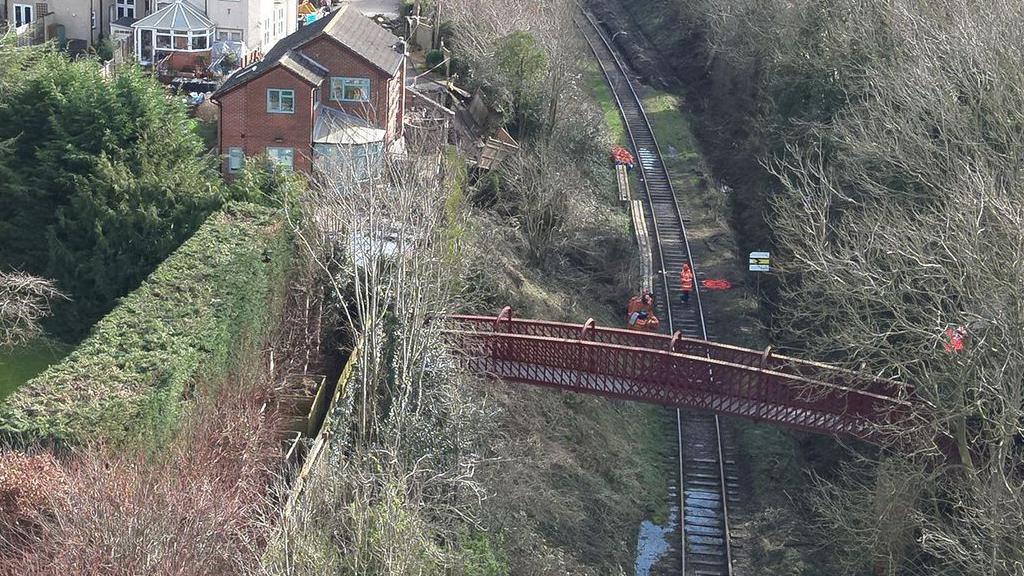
(202, 307)
(602, 94)
(20, 364)
(672, 127)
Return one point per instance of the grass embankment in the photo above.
(578, 473)
(205, 306)
(602, 94)
(19, 365)
(599, 90)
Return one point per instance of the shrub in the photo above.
(105, 49)
(195, 508)
(107, 182)
(434, 57)
(215, 295)
(481, 557)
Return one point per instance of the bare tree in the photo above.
(902, 231)
(481, 24)
(386, 232)
(24, 302)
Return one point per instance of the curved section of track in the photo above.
(704, 498)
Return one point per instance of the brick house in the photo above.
(333, 91)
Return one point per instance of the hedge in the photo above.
(211, 301)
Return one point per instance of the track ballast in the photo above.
(704, 547)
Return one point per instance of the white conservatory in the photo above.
(178, 27)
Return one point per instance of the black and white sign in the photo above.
(760, 262)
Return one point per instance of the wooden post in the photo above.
(447, 62)
(436, 32)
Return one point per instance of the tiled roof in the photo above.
(178, 16)
(364, 37)
(303, 67)
(353, 30)
(289, 42)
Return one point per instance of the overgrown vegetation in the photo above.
(552, 205)
(434, 472)
(889, 135)
(417, 481)
(577, 474)
(208, 303)
(100, 179)
(195, 507)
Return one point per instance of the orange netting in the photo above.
(621, 156)
(716, 284)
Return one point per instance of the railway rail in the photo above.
(708, 485)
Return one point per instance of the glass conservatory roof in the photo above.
(178, 16)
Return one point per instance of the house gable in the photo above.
(306, 61)
(245, 122)
(343, 63)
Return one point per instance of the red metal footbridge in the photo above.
(682, 372)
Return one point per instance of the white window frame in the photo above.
(20, 11)
(283, 158)
(280, 109)
(123, 8)
(165, 39)
(233, 34)
(339, 83)
(236, 159)
(278, 21)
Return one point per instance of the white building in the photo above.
(258, 23)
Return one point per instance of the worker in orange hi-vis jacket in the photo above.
(686, 281)
(643, 322)
(644, 302)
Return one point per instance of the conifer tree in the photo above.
(106, 178)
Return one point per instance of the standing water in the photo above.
(654, 544)
(657, 546)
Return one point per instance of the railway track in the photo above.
(708, 487)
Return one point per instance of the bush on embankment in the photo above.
(212, 298)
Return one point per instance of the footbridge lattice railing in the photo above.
(683, 372)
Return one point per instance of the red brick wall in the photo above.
(342, 62)
(245, 122)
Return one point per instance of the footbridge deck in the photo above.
(683, 372)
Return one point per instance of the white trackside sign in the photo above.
(759, 262)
